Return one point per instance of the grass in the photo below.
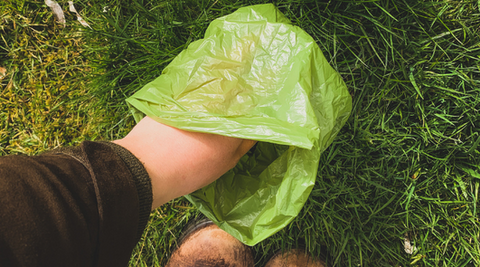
(44, 99)
(406, 164)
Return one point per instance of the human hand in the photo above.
(180, 162)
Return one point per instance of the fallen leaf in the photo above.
(57, 10)
(3, 72)
(79, 18)
(408, 246)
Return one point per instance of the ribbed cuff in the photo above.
(142, 183)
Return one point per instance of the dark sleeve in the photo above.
(83, 206)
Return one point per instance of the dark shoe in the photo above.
(206, 245)
(294, 258)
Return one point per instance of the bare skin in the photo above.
(180, 162)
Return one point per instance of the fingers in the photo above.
(245, 146)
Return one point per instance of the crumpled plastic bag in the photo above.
(254, 76)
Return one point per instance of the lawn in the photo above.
(399, 185)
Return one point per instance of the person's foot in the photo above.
(294, 258)
(205, 244)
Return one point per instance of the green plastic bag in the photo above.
(254, 76)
